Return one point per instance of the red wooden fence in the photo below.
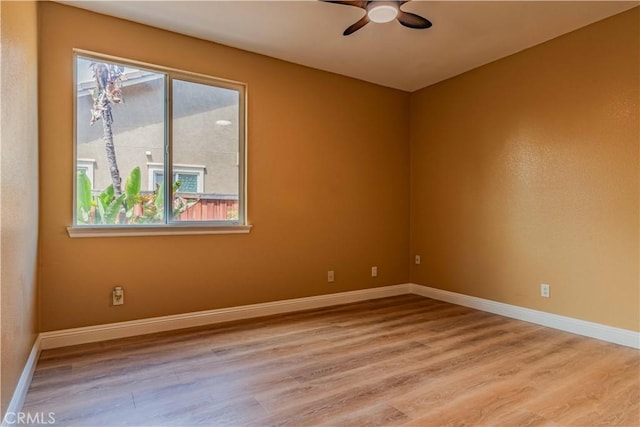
(211, 210)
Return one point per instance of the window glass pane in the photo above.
(206, 140)
(120, 122)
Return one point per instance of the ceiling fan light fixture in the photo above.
(382, 13)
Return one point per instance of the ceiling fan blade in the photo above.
(412, 20)
(360, 4)
(355, 27)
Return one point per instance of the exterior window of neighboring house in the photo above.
(86, 166)
(145, 134)
(190, 177)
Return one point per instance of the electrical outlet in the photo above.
(330, 276)
(117, 295)
(417, 259)
(374, 271)
(545, 291)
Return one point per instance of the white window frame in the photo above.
(170, 227)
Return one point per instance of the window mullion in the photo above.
(168, 167)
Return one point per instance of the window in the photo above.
(146, 134)
(86, 166)
(191, 177)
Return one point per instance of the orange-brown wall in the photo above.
(328, 186)
(525, 171)
(18, 190)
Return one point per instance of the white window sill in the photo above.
(177, 230)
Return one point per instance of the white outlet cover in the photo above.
(114, 296)
(545, 290)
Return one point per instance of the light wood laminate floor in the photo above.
(404, 360)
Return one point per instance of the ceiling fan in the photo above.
(383, 11)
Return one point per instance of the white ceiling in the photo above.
(465, 34)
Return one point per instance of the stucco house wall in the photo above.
(200, 141)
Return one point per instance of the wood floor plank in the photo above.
(403, 360)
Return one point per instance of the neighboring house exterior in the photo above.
(205, 132)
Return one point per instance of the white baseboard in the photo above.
(581, 327)
(20, 393)
(67, 337)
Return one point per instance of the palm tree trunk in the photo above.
(107, 136)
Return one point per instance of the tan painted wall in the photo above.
(525, 171)
(328, 186)
(18, 189)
